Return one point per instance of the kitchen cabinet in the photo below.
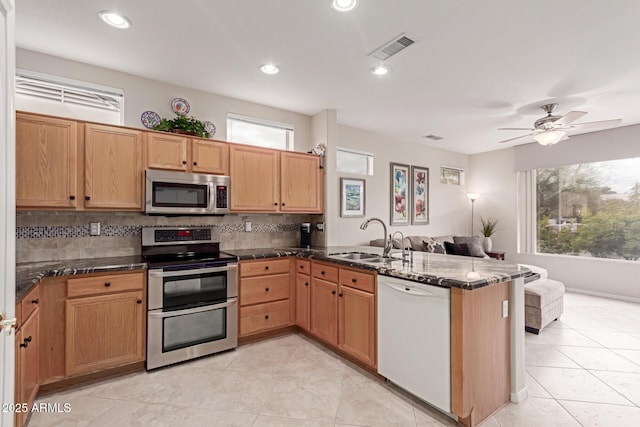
(356, 322)
(265, 293)
(303, 293)
(46, 162)
(179, 153)
(113, 168)
(26, 352)
(265, 180)
(324, 302)
(104, 322)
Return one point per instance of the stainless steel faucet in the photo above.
(405, 255)
(387, 239)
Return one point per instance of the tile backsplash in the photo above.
(49, 235)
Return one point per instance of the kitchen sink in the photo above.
(358, 256)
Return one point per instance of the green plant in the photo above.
(183, 123)
(489, 225)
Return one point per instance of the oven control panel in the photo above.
(182, 235)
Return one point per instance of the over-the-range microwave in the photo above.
(178, 193)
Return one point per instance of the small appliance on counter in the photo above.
(305, 235)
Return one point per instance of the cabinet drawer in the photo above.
(106, 284)
(263, 317)
(355, 279)
(260, 268)
(303, 266)
(30, 302)
(255, 290)
(325, 272)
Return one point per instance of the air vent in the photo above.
(395, 46)
(433, 137)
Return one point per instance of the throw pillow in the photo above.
(433, 246)
(456, 249)
(474, 245)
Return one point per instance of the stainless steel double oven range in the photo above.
(192, 292)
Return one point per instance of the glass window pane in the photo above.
(259, 134)
(355, 163)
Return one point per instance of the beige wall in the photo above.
(142, 94)
(449, 208)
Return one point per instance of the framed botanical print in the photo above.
(400, 196)
(419, 195)
(352, 197)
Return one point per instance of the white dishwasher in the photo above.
(414, 342)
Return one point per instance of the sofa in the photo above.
(447, 244)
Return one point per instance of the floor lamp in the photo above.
(472, 197)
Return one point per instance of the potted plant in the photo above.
(184, 125)
(488, 227)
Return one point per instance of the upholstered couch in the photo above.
(449, 244)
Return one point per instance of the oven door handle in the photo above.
(161, 273)
(193, 310)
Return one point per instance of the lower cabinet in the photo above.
(324, 310)
(27, 345)
(356, 334)
(303, 295)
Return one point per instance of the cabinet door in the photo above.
(254, 178)
(113, 168)
(19, 416)
(300, 183)
(357, 330)
(104, 331)
(324, 310)
(29, 359)
(303, 283)
(166, 151)
(46, 162)
(209, 157)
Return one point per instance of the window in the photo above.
(355, 162)
(589, 209)
(451, 175)
(46, 94)
(261, 133)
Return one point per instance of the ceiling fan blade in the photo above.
(516, 129)
(596, 125)
(517, 138)
(570, 117)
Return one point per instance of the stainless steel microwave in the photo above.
(178, 193)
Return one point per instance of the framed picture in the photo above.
(400, 196)
(419, 195)
(352, 197)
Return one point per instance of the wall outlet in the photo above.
(320, 226)
(247, 226)
(505, 308)
(94, 229)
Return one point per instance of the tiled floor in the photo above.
(583, 370)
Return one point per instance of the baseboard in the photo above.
(520, 395)
(603, 295)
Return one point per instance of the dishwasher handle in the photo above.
(409, 290)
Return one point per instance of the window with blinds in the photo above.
(261, 133)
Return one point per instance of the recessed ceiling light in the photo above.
(114, 19)
(344, 5)
(380, 70)
(270, 69)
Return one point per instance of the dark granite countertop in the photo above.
(434, 269)
(30, 273)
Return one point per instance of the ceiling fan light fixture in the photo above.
(550, 137)
(344, 5)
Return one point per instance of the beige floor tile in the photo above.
(264, 421)
(489, 422)
(534, 389)
(624, 383)
(575, 384)
(580, 322)
(546, 355)
(561, 336)
(602, 415)
(83, 411)
(618, 340)
(428, 417)
(304, 398)
(372, 404)
(599, 358)
(535, 412)
(631, 355)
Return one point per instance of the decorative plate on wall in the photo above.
(180, 106)
(149, 119)
(210, 127)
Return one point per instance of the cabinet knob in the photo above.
(302, 266)
(72, 197)
(333, 292)
(28, 339)
(35, 301)
(266, 289)
(322, 272)
(266, 317)
(283, 204)
(340, 294)
(24, 345)
(266, 267)
(87, 197)
(107, 284)
(184, 162)
(353, 280)
(275, 204)
(139, 301)
(195, 163)
(306, 283)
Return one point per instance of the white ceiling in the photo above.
(478, 66)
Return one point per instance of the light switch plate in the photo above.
(320, 226)
(94, 228)
(505, 308)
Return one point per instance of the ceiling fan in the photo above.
(551, 129)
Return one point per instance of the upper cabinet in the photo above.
(113, 167)
(265, 180)
(46, 162)
(171, 152)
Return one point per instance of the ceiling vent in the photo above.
(433, 137)
(393, 47)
